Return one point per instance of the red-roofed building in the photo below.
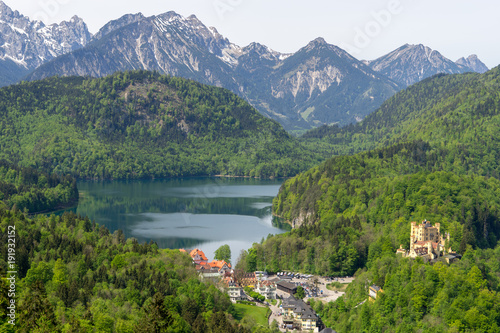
(220, 264)
(203, 267)
(198, 256)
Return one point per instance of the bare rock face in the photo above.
(473, 63)
(410, 64)
(27, 44)
(323, 84)
(168, 43)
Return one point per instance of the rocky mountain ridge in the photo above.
(473, 63)
(410, 64)
(319, 84)
(27, 44)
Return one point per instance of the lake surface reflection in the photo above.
(185, 213)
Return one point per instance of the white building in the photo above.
(266, 289)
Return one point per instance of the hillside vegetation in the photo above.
(417, 297)
(458, 112)
(141, 125)
(353, 209)
(75, 276)
(27, 189)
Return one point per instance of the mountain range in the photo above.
(410, 64)
(27, 44)
(319, 84)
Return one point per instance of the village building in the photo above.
(235, 292)
(214, 269)
(198, 256)
(299, 315)
(207, 272)
(287, 287)
(266, 289)
(247, 279)
(221, 265)
(374, 291)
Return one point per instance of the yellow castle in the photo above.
(426, 241)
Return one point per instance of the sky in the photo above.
(367, 29)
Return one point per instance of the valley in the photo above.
(334, 193)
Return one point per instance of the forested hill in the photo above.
(460, 111)
(443, 167)
(141, 124)
(27, 189)
(75, 276)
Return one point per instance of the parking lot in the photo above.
(314, 286)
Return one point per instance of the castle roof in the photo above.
(424, 243)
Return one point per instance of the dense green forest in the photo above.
(418, 297)
(352, 208)
(74, 276)
(34, 191)
(460, 112)
(142, 125)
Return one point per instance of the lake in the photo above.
(189, 213)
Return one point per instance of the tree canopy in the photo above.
(223, 253)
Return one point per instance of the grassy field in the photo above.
(259, 314)
(337, 286)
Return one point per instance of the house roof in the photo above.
(309, 314)
(286, 285)
(299, 306)
(219, 264)
(268, 283)
(375, 287)
(199, 252)
(290, 301)
(182, 250)
(203, 267)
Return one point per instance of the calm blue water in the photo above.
(185, 213)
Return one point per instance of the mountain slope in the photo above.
(433, 110)
(410, 64)
(473, 63)
(168, 43)
(141, 124)
(34, 191)
(439, 161)
(319, 84)
(27, 44)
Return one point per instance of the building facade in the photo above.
(297, 314)
(426, 241)
(266, 289)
